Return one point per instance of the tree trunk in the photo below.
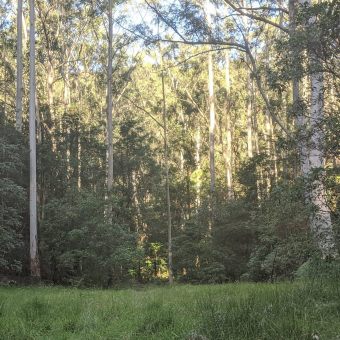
(212, 121)
(109, 104)
(19, 88)
(168, 202)
(249, 103)
(249, 115)
(300, 121)
(320, 219)
(229, 155)
(34, 257)
(198, 166)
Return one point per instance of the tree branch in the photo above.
(255, 17)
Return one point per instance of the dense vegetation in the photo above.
(242, 206)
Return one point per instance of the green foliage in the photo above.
(13, 199)
(81, 245)
(88, 236)
(282, 232)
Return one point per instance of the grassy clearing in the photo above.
(233, 311)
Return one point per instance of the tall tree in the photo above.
(34, 255)
(19, 88)
(229, 154)
(321, 223)
(109, 104)
(167, 184)
(212, 114)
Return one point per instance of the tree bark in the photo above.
(229, 154)
(110, 104)
(168, 202)
(249, 115)
(320, 219)
(301, 122)
(198, 165)
(212, 122)
(19, 87)
(34, 257)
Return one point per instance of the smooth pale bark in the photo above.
(19, 87)
(268, 137)
(249, 115)
(109, 104)
(320, 220)
(198, 166)
(273, 149)
(321, 223)
(229, 154)
(168, 202)
(67, 90)
(255, 144)
(66, 59)
(138, 214)
(212, 121)
(34, 257)
(79, 162)
(249, 101)
(300, 121)
(50, 82)
(212, 115)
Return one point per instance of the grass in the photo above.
(232, 311)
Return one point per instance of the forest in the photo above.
(170, 169)
(168, 141)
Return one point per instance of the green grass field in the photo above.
(231, 311)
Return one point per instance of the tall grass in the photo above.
(301, 310)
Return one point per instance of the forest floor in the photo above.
(232, 311)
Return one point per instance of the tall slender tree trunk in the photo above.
(168, 202)
(249, 115)
(34, 256)
(212, 114)
(320, 219)
(229, 154)
(300, 121)
(198, 165)
(109, 105)
(249, 101)
(19, 88)
(50, 92)
(212, 122)
(321, 223)
(268, 137)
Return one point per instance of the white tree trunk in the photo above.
(109, 104)
(249, 116)
(34, 257)
(229, 154)
(19, 88)
(320, 219)
(166, 158)
(321, 223)
(198, 165)
(249, 102)
(212, 121)
(212, 116)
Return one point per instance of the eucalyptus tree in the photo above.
(212, 113)
(109, 101)
(229, 139)
(167, 184)
(34, 252)
(19, 87)
(321, 223)
(310, 145)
